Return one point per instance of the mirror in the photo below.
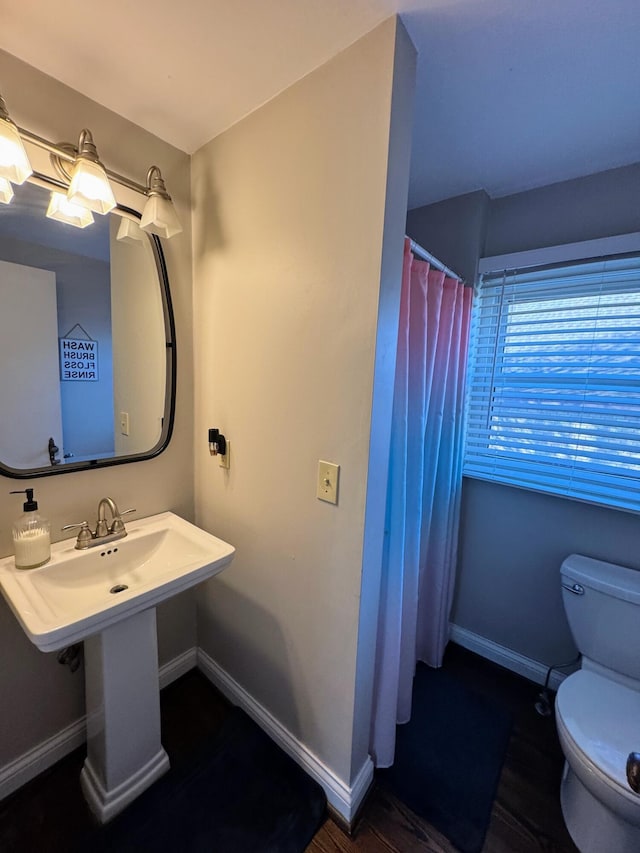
(87, 340)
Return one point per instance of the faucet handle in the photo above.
(118, 524)
(84, 537)
(75, 524)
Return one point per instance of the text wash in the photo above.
(78, 360)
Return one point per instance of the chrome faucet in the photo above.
(104, 532)
(117, 525)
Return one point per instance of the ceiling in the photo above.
(511, 94)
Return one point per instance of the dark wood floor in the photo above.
(526, 815)
(49, 814)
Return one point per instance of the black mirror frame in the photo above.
(170, 394)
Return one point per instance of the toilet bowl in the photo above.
(598, 707)
(597, 719)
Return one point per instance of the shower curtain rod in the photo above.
(417, 249)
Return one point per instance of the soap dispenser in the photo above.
(31, 535)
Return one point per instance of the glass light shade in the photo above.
(14, 163)
(90, 187)
(63, 210)
(129, 232)
(6, 191)
(159, 217)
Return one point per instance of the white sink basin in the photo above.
(72, 597)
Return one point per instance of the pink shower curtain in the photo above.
(423, 501)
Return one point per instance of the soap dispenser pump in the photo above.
(31, 535)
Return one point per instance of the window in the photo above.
(553, 401)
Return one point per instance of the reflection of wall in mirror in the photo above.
(30, 410)
(139, 352)
(87, 409)
(82, 284)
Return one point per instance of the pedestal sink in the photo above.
(107, 598)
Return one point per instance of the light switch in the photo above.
(124, 423)
(328, 477)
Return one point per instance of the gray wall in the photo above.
(583, 209)
(512, 541)
(512, 544)
(452, 230)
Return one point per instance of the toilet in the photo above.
(598, 707)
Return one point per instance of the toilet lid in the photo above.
(603, 719)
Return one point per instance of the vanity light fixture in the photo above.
(6, 191)
(63, 210)
(14, 163)
(159, 215)
(80, 170)
(89, 185)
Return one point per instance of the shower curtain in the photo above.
(423, 500)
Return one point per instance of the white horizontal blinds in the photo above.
(553, 401)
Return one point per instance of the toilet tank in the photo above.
(602, 603)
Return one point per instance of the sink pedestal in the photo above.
(124, 752)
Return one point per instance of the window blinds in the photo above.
(553, 398)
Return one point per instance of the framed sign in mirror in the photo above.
(87, 341)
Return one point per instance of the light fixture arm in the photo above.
(87, 148)
(64, 151)
(67, 153)
(155, 183)
(3, 111)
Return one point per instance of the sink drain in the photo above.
(119, 587)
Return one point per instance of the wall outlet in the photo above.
(224, 461)
(327, 486)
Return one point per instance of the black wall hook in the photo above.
(217, 442)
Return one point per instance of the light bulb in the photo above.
(89, 185)
(14, 163)
(63, 210)
(159, 217)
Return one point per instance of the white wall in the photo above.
(289, 225)
(39, 696)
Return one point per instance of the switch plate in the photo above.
(225, 460)
(124, 423)
(328, 478)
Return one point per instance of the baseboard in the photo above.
(342, 798)
(30, 764)
(177, 666)
(529, 668)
